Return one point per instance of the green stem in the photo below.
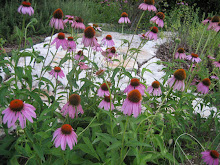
(87, 126)
(122, 142)
(200, 40)
(165, 97)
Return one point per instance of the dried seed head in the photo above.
(160, 15)
(215, 19)
(58, 13)
(214, 154)
(206, 82)
(149, 2)
(89, 32)
(74, 99)
(26, 4)
(124, 14)
(135, 82)
(156, 84)
(154, 29)
(180, 74)
(61, 36)
(194, 55)
(66, 129)
(16, 105)
(134, 96)
(180, 50)
(108, 37)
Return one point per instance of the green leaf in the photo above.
(39, 151)
(115, 145)
(14, 161)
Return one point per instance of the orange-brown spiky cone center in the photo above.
(95, 25)
(89, 32)
(135, 82)
(180, 50)
(80, 52)
(124, 14)
(57, 69)
(104, 86)
(74, 99)
(58, 13)
(134, 96)
(113, 50)
(26, 4)
(206, 82)
(149, 2)
(156, 84)
(66, 129)
(180, 74)
(100, 72)
(154, 29)
(194, 55)
(16, 105)
(108, 37)
(214, 154)
(107, 98)
(215, 19)
(79, 19)
(70, 18)
(70, 38)
(61, 36)
(161, 15)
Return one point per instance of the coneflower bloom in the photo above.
(57, 72)
(73, 106)
(203, 86)
(83, 66)
(152, 34)
(79, 55)
(207, 20)
(112, 52)
(103, 90)
(71, 44)
(214, 77)
(210, 157)
(18, 110)
(78, 24)
(217, 28)
(180, 54)
(194, 57)
(155, 88)
(60, 40)
(57, 20)
(95, 26)
(70, 19)
(217, 64)
(124, 18)
(178, 78)
(135, 84)
(63, 136)
(25, 8)
(210, 57)
(89, 37)
(108, 41)
(105, 103)
(214, 22)
(148, 5)
(158, 19)
(132, 104)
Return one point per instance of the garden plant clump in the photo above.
(77, 110)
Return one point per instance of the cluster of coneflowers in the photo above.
(18, 110)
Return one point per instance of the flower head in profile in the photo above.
(135, 84)
(148, 5)
(203, 86)
(25, 8)
(73, 106)
(100, 72)
(103, 90)
(89, 37)
(214, 77)
(124, 18)
(214, 22)
(83, 66)
(158, 19)
(132, 104)
(105, 104)
(57, 72)
(18, 110)
(71, 45)
(60, 40)
(63, 136)
(108, 41)
(142, 36)
(210, 157)
(57, 20)
(217, 64)
(177, 80)
(152, 34)
(180, 54)
(79, 55)
(207, 20)
(95, 26)
(70, 19)
(194, 57)
(155, 88)
(78, 23)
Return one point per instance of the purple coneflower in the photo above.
(217, 28)
(18, 110)
(71, 44)
(57, 20)
(158, 19)
(70, 19)
(210, 57)
(132, 104)
(194, 57)
(148, 5)
(57, 72)
(124, 18)
(108, 41)
(78, 24)
(105, 103)
(178, 78)
(63, 136)
(83, 66)
(112, 52)
(152, 34)
(155, 88)
(135, 84)
(217, 64)
(214, 77)
(103, 90)
(60, 40)
(73, 106)
(89, 37)
(207, 20)
(214, 22)
(95, 26)
(79, 55)
(25, 8)
(180, 54)
(203, 86)
(210, 157)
